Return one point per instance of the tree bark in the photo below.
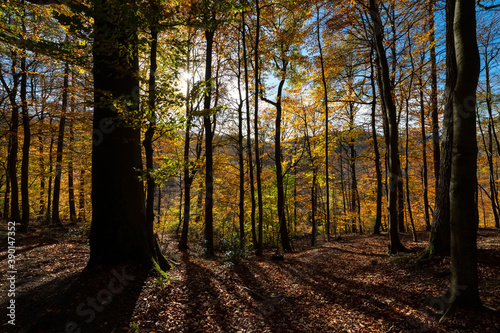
(71, 181)
(249, 140)
(463, 290)
(148, 136)
(434, 99)
(378, 172)
(56, 221)
(439, 242)
(393, 147)
(15, 215)
(26, 144)
(283, 231)
(256, 129)
(188, 177)
(327, 142)
(241, 203)
(209, 173)
(119, 232)
(424, 154)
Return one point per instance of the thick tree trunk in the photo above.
(119, 232)
(393, 147)
(463, 290)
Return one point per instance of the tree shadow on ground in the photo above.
(100, 299)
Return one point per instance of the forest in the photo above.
(250, 166)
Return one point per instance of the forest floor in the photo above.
(347, 285)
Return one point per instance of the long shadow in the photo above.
(200, 287)
(93, 300)
(354, 295)
(276, 310)
(21, 248)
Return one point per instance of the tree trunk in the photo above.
(394, 163)
(148, 136)
(51, 167)
(249, 140)
(256, 129)
(209, 173)
(378, 172)
(424, 155)
(439, 242)
(119, 232)
(15, 215)
(26, 145)
(283, 229)
(56, 221)
(434, 99)
(354, 181)
(71, 182)
(488, 148)
(463, 290)
(188, 177)
(81, 197)
(491, 137)
(407, 159)
(325, 96)
(241, 203)
(6, 197)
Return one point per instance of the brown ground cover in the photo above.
(347, 285)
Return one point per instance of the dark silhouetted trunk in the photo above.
(148, 136)
(241, 203)
(26, 144)
(434, 99)
(209, 173)
(119, 232)
(256, 128)
(439, 242)
(81, 197)
(393, 147)
(378, 172)
(427, 218)
(56, 221)
(249, 139)
(327, 142)
(463, 291)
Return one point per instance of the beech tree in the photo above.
(394, 169)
